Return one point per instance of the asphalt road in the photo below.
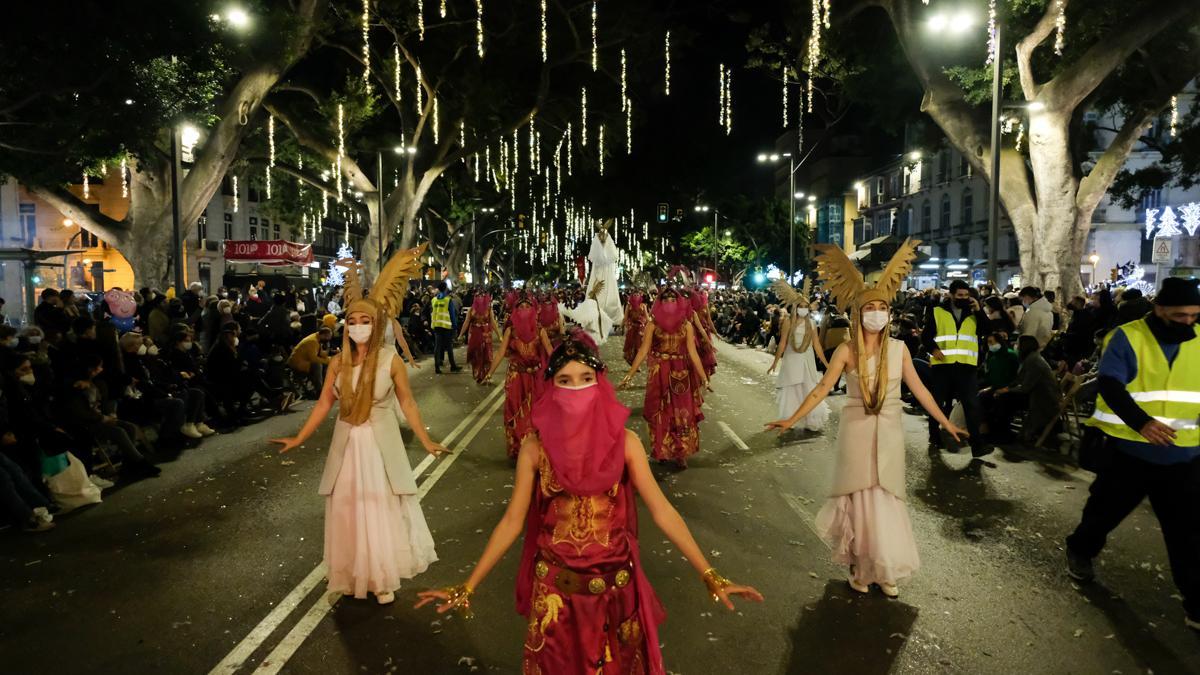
(214, 567)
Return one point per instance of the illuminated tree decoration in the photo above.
(545, 51)
(421, 20)
(1190, 213)
(667, 63)
(1060, 25)
(442, 9)
(1167, 225)
(1020, 135)
(479, 27)
(628, 127)
(124, 177)
(600, 148)
(595, 48)
(420, 92)
(341, 150)
(87, 187)
(366, 48)
(396, 72)
(436, 122)
(991, 29)
(728, 102)
(270, 151)
(583, 119)
(234, 180)
(721, 98)
(570, 140)
(624, 81)
(785, 101)
(1174, 115)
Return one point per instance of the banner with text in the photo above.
(268, 252)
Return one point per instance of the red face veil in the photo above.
(670, 311)
(525, 321)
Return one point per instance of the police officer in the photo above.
(1149, 411)
(951, 336)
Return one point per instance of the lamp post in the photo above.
(702, 208)
(474, 250)
(1094, 258)
(771, 158)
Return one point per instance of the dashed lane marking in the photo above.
(732, 436)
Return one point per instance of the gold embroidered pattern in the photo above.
(630, 632)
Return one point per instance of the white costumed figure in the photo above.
(589, 315)
(603, 257)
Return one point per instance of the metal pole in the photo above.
(791, 219)
(716, 244)
(994, 187)
(474, 250)
(176, 239)
(379, 202)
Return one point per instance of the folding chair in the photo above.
(1068, 412)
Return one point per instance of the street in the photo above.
(214, 567)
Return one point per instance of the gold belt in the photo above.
(660, 355)
(570, 582)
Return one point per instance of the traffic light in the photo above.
(663, 210)
(679, 215)
(708, 278)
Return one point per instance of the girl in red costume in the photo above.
(700, 320)
(527, 347)
(581, 586)
(479, 326)
(550, 320)
(636, 319)
(672, 406)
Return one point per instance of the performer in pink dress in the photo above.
(581, 587)
(635, 325)
(526, 346)
(479, 327)
(549, 319)
(375, 532)
(672, 404)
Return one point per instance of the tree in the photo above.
(1130, 57)
(129, 73)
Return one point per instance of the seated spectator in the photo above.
(227, 379)
(1000, 320)
(26, 397)
(178, 413)
(23, 505)
(1036, 382)
(86, 412)
(1000, 366)
(311, 356)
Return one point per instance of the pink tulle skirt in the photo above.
(373, 538)
(870, 529)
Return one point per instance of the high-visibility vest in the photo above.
(441, 312)
(1170, 393)
(959, 344)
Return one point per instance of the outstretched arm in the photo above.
(503, 350)
(917, 387)
(643, 352)
(668, 519)
(319, 411)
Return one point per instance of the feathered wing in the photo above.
(788, 295)
(840, 275)
(392, 282)
(596, 289)
(898, 267)
(352, 288)
(806, 290)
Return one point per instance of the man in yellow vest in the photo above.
(952, 338)
(1149, 411)
(443, 317)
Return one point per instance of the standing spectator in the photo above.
(1081, 330)
(998, 318)
(1148, 406)
(1038, 319)
(275, 326)
(1133, 306)
(49, 316)
(443, 318)
(951, 336)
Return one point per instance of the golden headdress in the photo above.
(788, 297)
(851, 292)
(382, 303)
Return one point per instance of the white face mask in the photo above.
(186, 346)
(875, 321)
(802, 312)
(236, 341)
(582, 386)
(993, 348)
(33, 339)
(295, 325)
(28, 378)
(153, 350)
(360, 332)
(142, 349)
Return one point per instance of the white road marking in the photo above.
(805, 517)
(259, 634)
(312, 618)
(732, 436)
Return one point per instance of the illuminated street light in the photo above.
(701, 209)
(799, 195)
(237, 17)
(812, 198)
(915, 155)
(1035, 106)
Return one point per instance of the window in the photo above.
(227, 186)
(968, 215)
(202, 228)
(28, 217)
(276, 230)
(229, 226)
(253, 232)
(895, 186)
(907, 224)
(964, 167)
(926, 216)
(1152, 199)
(944, 217)
(943, 172)
(879, 190)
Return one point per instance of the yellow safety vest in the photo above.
(441, 312)
(959, 344)
(1170, 393)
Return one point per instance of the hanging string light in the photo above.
(800, 123)
(1174, 115)
(545, 51)
(324, 208)
(583, 119)
(991, 32)
(728, 102)
(570, 161)
(125, 175)
(421, 20)
(600, 148)
(235, 193)
(366, 48)
(1020, 135)
(442, 9)
(396, 72)
(721, 100)
(628, 127)
(667, 63)
(814, 48)
(479, 27)
(532, 149)
(785, 101)
(87, 188)
(270, 151)
(827, 7)
(1060, 26)
(595, 48)
(341, 151)
(624, 81)
(436, 121)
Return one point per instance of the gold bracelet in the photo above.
(715, 582)
(460, 599)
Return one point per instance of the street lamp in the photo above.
(475, 276)
(764, 158)
(1094, 258)
(704, 208)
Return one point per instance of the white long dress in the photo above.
(375, 533)
(797, 378)
(589, 317)
(603, 257)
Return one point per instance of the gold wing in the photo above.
(392, 282)
(898, 267)
(806, 290)
(788, 295)
(596, 289)
(352, 281)
(840, 275)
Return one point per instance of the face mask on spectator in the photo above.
(875, 321)
(142, 350)
(360, 333)
(152, 350)
(235, 341)
(33, 339)
(295, 325)
(186, 345)
(993, 348)
(28, 378)
(962, 303)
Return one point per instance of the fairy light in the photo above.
(827, 6)
(235, 193)
(341, 151)
(545, 51)
(324, 207)
(1174, 115)
(396, 72)
(583, 119)
(532, 150)
(595, 48)
(728, 102)
(421, 20)
(479, 27)
(366, 48)
(420, 92)
(600, 148)
(624, 81)
(628, 127)
(991, 31)
(785, 101)
(570, 160)
(270, 151)
(87, 187)
(442, 9)
(1020, 135)
(436, 123)
(125, 174)
(667, 63)
(800, 122)
(1060, 26)
(721, 100)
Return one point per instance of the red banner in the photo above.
(269, 252)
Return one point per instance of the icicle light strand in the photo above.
(341, 152)
(125, 176)
(1060, 26)
(595, 48)
(624, 81)
(436, 121)
(396, 73)
(1174, 115)
(87, 187)
(728, 102)
(991, 31)
(270, 151)
(421, 20)
(366, 48)
(479, 27)
(235, 194)
(628, 127)
(545, 50)
(600, 148)
(667, 64)
(442, 9)
(785, 92)
(721, 99)
(583, 119)
(420, 92)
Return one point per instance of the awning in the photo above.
(268, 252)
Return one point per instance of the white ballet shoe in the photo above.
(890, 590)
(385, 598)
(855, 583)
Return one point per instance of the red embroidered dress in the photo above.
(479, 344)
(672, 407)
(522, 385)
(635, 327)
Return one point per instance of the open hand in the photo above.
(1157, 433)
(772, 368)
(746, 592)
(780, 425)
(442, 595)
(289, 444)
(437, 449)
(954, 431)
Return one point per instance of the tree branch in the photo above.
(357, 177)
(88, 216)
(1026, 46)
